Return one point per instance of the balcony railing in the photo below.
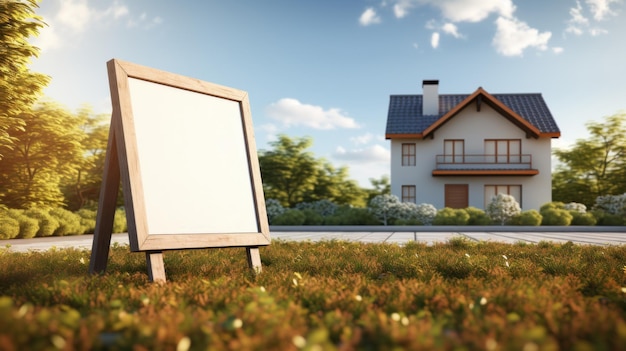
(484, 162)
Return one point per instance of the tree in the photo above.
(293, 175)
(593, 167)
(288, 171)
(82, 187)
(19, 88)
(45, 151)
(380, 186)
(333, 184)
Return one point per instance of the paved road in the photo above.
(379, 234)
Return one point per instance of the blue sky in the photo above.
(326, 68)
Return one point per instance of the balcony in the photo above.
(484, 165)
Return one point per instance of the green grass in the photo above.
(321, 296)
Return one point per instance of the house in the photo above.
(460, 150)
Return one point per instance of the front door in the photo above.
(457, 195)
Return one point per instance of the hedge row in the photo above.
(38, 222)
(551, 214)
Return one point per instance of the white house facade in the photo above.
(461, 150)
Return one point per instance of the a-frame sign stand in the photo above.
(213, 124)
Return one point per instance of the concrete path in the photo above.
(378, 234)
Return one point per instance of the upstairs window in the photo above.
(408, 154)
(454, 151)
(503, 150)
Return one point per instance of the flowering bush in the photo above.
(385, 207)
(611, 204)
(324, 208)
(503, 208)
(576, 207)
(426, 213)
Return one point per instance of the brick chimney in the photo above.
(430, 102)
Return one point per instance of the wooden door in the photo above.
(457, 195)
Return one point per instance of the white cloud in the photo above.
(74, 14)
(473, 10)
(579, 23)
(601, 8)
(598, 31)
(291, 112)
(369, 17)
(372, 154)
(434, 40)
(401, 8)
(362, 139)
(450, 28)
(557, 50)
(75, 17)
(514, 36)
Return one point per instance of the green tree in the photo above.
(82, 187)
(334, 185)
(288, 171)
(380, 186)
(45, 151)
(293, 175)
(595, 166)
(19, 87)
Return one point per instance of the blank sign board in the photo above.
(188, 161)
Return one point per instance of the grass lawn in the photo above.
(329, 295)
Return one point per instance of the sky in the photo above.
(325, 69)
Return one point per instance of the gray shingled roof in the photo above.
(405, 111)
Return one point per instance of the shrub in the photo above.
(611, 204)
(426, 213)
(9, 227)
(556, 216)
(451, 216)
(502, 208)
(576, 207)
(529, 217)
(87, 220)
(552, 205)
(384, 207)
(69, 222)
(119, 221)
(477, 216)
(47, 223)
(324, 208)
(347, 215)
(607, 219)
(273, 208)
(290, 217)
(28, 226)
(585, 218)
(311, 217)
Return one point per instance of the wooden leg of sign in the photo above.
(156, 268)
(254, 258)
(106, 209)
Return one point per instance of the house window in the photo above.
(408, 154)
(453, 151)
(503, 150)
(408, 193)
(493, 190)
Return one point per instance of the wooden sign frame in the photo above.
(185, 153)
